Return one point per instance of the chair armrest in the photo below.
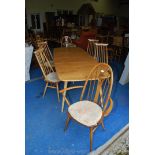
(69, 88)
(107, 111)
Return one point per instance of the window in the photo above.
(35, 21)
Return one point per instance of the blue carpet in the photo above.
(35, 73)
(45, 122)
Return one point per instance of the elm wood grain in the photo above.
(72, 64)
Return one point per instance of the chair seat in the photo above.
(86, 112)
(52, 77)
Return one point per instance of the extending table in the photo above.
(72, 64)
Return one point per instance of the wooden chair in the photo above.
(50, 76)
(47, 52)
(95, 101)
(90, 47)
(101, 52)
(117, 46)
(66, 41)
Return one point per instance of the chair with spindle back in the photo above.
(90, 47)
(101, 52)
(50, 76)
(47, 52)
(95, 101)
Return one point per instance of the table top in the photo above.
(73, 64)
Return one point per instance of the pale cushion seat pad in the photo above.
(51, 62)
(52, 77)
(86, 112)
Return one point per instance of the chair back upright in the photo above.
(101, 52)
(98, 86)
(90, 47)
(47, 52)
(43, 62)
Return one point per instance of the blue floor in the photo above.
(45, 121)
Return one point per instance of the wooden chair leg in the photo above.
(57, 85)
(102, 124)
(67, 121)
(91, 138)
(45, 89)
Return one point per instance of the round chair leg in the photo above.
(91, 138)
(57, 85)
(45, 89)
(67, 121)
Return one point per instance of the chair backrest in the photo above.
(44, 64)
(65, 41)
(101, 52)
(98, 85)
(90, 47)
(46, 51)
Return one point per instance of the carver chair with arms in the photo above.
(95, 101)
(50, 76)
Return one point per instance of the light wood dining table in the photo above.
(72, 64)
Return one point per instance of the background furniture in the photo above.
(72, 64)
(28, 57)
(66, 41)
(82, 42)
(93, 105)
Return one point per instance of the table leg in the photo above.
(64, 94)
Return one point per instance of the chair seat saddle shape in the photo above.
(52, 77)
(86, 112)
